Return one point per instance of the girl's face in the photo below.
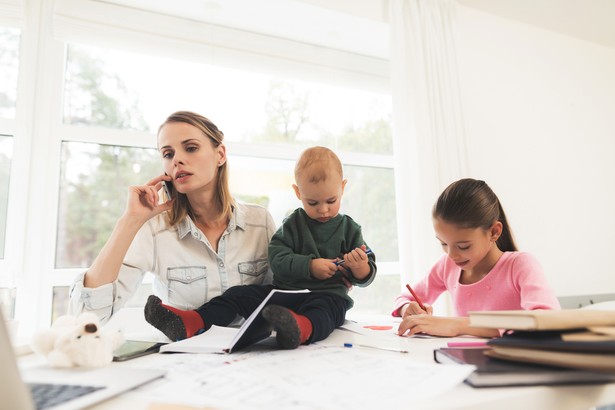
(189, 157)
(321, 201)
(468, 247)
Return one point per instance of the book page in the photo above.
(215, 340)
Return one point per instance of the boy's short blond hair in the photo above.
(316, 164)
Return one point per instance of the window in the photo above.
(93, 190)
(9, 65)
(109, 85)
(6, 153)
(267, 120)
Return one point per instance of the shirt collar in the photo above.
(238, 220)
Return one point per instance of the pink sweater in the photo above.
(516, 282)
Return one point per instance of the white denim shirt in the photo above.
(187, 271)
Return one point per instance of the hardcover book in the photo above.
(542, 319)
(493, 372)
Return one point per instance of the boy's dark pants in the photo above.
(326, 311)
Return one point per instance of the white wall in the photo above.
(540, 119)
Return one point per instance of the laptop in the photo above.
(63, 389)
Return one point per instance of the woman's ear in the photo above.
(221, 155)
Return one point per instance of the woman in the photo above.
(197, 243)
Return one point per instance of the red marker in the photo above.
(416, 298)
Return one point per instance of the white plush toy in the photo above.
(77, 341)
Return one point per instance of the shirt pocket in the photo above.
(253, 272)
(187, 286)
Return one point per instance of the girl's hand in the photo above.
(143, 199)
(322, 269)
(432, 325)
(413, 308)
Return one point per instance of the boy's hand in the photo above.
(322, 268)
(357, 262)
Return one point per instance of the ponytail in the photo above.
(470, 203)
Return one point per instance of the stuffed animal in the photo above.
(77, 342)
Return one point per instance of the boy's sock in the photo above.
(175, 323)
(291, 328)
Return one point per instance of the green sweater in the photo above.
(301, 239)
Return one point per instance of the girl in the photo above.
(482, 268)
(197, 243)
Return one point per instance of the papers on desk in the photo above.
(310, 377)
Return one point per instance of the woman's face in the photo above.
(189, 157)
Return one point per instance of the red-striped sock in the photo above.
(305, 327)
(175, 323)
(291, 328)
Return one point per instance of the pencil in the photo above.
(416, 298)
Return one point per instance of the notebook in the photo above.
(93, 385)
(225, 339)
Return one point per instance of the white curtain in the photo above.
(428, 131)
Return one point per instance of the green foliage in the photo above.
(93, 200)
(286, 110)
(93, 96)
(90, 206)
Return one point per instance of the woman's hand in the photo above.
(143, 199)
(432, 325)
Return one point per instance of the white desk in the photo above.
(181, 388)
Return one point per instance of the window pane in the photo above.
(9, 65)
(369, 198)
(6, 153)
(93, 192)
(131, 91)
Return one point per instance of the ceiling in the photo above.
(590, 20)
(360, 26)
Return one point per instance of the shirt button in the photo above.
(188, 277)
(221, 264)
(488, 287)
(469, 294)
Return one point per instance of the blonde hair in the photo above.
(316, 164)
(224, 200)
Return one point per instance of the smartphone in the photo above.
(131, 349)
(167, 191)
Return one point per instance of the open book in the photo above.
(542, 319)
(228, 340)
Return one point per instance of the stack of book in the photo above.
(572, 338)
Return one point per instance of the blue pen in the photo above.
(367, 252)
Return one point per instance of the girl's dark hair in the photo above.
(470, 203)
